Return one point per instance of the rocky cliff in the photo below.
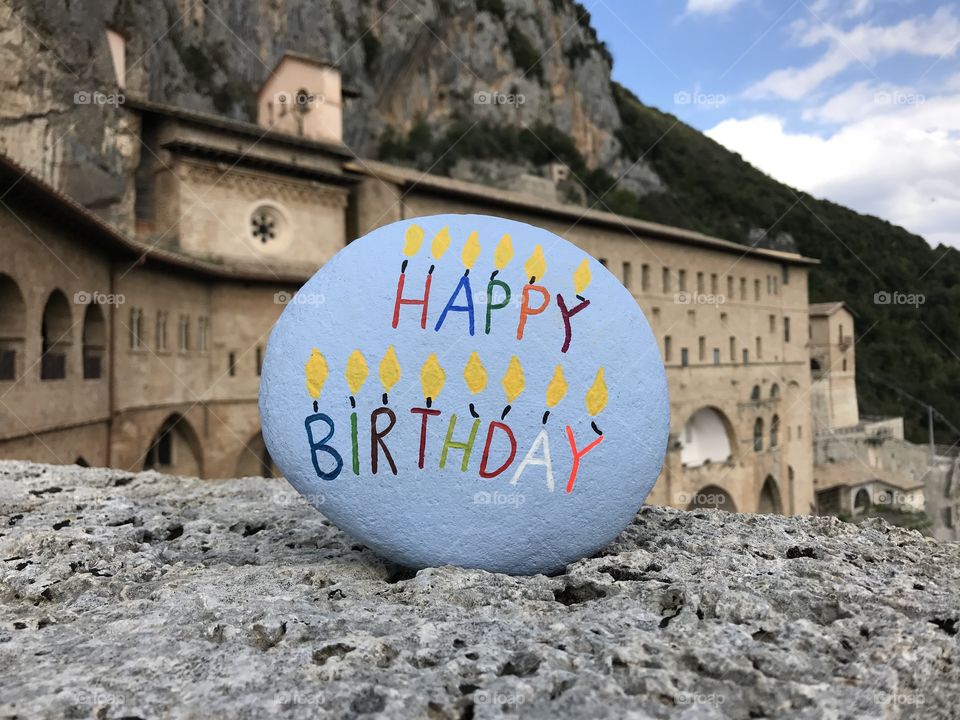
(145, 595)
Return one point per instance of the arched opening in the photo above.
(712, 498)
(94, 342)
(861, 501)
(706, 438)
(755, 393)
(175, 448)
(13, 327)
(814, 364)
(774, 391)
(255, 460)
(81, 461)
(769, 503)
(774, 431)
(758, 434)
(56, 330)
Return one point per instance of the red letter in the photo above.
(525, 308)
(577, 455)
(412, 301)
(424, 413)
(567, 314)
(486, 450)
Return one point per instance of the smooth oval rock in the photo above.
(467, 390)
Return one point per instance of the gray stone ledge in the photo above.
(144, 595)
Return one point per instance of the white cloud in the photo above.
(710, 7)
(899, 162)
(865, 44)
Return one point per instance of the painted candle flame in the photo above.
(582, 277)
(471, 250)
(356, 372)
(504, 252)
(432, 377)
(596, 399)
(316, 372)
(389, 369)
(413, 239)
(557, 387)
(513, 381)
(536, 264)
(475, 374)
(441, 241)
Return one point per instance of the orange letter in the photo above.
(525, 308)
(577, 456)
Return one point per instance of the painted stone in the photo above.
(467, 390)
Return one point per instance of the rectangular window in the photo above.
(743, 288)
(729, 287)
(692, 317)
(656, 314)
(667, 349)
(776, 288)
(723, 318)
(232, 364)
(759, 348)
(714, 284)
(786, 274)
(259, 359)
(756, 289)
(184, 333)
(733, 349)
(202, 332)
(716, 356)
(703, 349)
(627, 275)
(666, 279)
(682, 281)
(786, 329)
(769, 286)
(701, 288)
(161, 330)
(773, 323)
(684, 357)
(645, 277)
(746, 356)
(134, 328)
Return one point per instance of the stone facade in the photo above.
(228, 219)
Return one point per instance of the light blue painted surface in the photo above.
(434, 517)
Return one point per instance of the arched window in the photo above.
(774, 391)
(175, 448)
(861, 501)
(712, 498)
(769, 502)
(94, 342)
(255, 460)
(774, 431)
(755, 393)
(13, 327)
(706, 438)
(758, 435)
(56, 337)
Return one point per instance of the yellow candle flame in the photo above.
(356, 372)
(596, 399)
(413, 239)
(432, 377)
(475, 374)
(557, 387)
(471, 250)
(389, 369)
(582, 277)
(441, 241)
(536, 264)
(504, 252)
(316, 372)
(513, 381)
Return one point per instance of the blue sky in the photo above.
(857, 101)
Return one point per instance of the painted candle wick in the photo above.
(546, 415)
(430, 271)
(316, 406)
(597, 430)
(494, 274)
(353, 402)
(473, 411)
(429, 402)
(533, 279)
(504, 413)
(384, 399)
(403, 267)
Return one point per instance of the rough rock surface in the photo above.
(145, 595)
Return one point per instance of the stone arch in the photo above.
(175, 448)
(861, 501)
(13, 327)
(94, 342)
(707, 437)
(769, 502)
(712, 497)
(755, 393)
(255, 460)
(758, 434)
(56, 331)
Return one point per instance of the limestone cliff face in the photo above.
(413, 61)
